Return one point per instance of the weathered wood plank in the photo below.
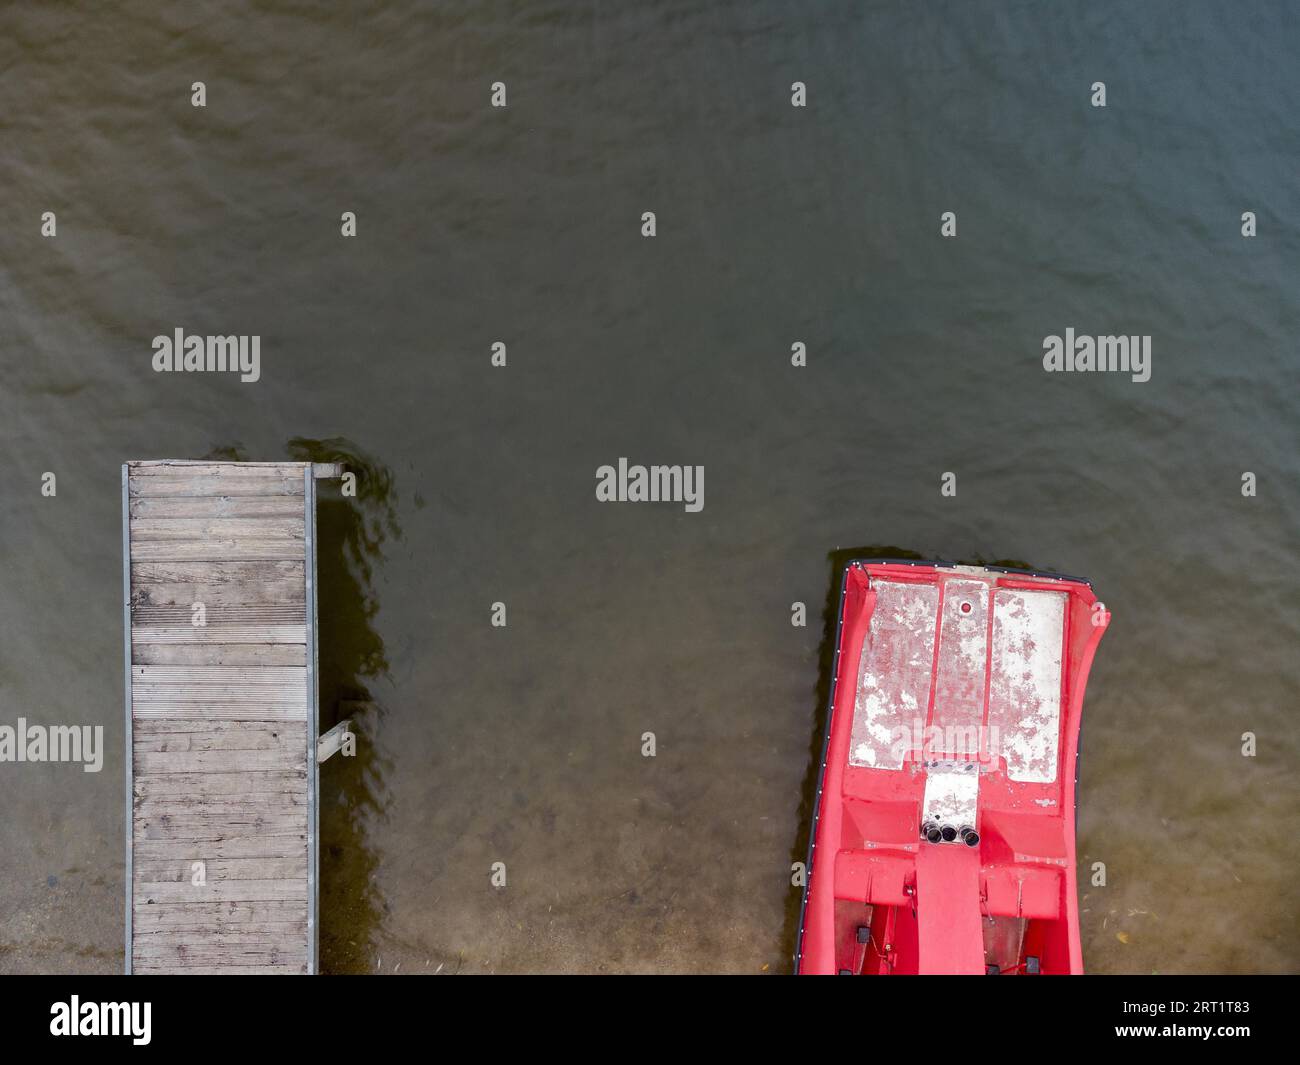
(214, 916)
(211, 821)
(215, 507)
(223, 810)
(222, 634)
(275, 676)
(213, 617)
(220, 891)
(214, 701)
(199, 691)
(213, 726)
(231, 810)
(175, 954)
(177, 654)
(215, 550)
(216, 615)
(171, 711)
(180, 691)
(144, 530)
(243, 845)
(233, 713)
(214, 695)
(219, 958)
(254, 712)
(208, 810)
(221, 601)
(221, 869)
(152, 697)
(213, 468)
(215, 479)
(281, 942)
(221, 693)
(188, 486)
(282, 811)
(181, 786)
(219, 572)
(196, 830)
(218, 761)
(233, 948)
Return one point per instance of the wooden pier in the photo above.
(219, 571)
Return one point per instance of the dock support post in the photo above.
(331, 742)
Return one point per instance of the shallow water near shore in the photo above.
(522, 745)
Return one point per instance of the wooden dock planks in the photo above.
(219, 574)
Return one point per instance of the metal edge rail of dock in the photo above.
(219, 577)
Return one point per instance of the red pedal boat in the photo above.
(943, 839)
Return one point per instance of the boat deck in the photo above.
(219, 574)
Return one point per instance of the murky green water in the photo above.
(775, 224)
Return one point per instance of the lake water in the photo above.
(775, 225)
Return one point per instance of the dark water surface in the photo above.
(775, 224)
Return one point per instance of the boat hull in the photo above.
(943, 839)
